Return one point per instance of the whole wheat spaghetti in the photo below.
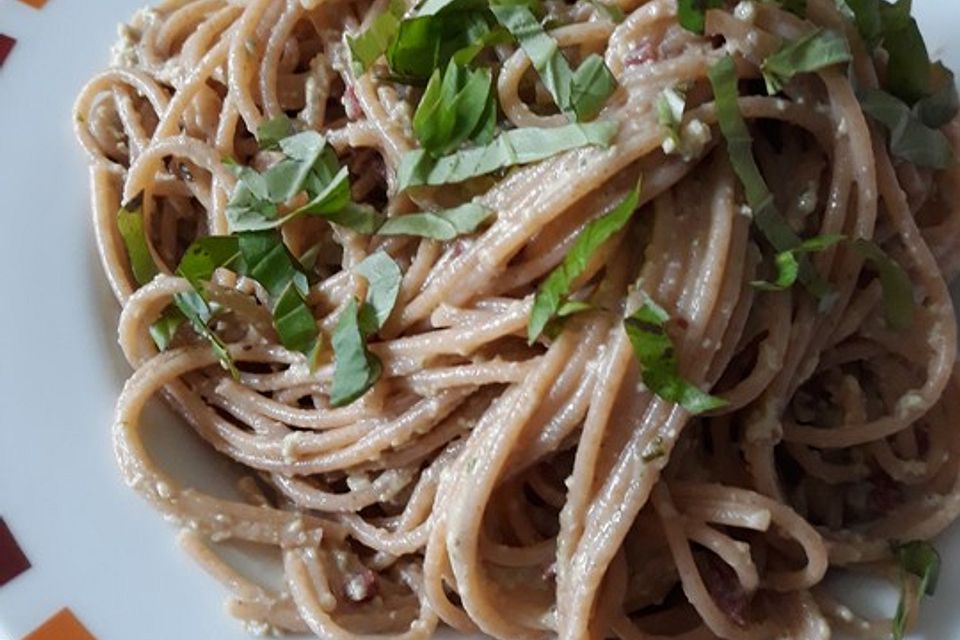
(531, 489)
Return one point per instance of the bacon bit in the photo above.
(642, 53)
(549, 572)
(351, 103)
(724, 587)
(6, 46)
(361, 586)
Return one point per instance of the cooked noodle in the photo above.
(490, 485)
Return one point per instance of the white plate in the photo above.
(95, 546)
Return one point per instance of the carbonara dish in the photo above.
(540, 318)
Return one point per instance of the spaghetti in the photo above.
(553, 486)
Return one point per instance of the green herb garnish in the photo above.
(514, 147)
(551, 297)
(788, 267)
(581, 93)
(356, 369)
(457, 106)
(655, 352)
(134, 235)
(910, 138)
(671, 104)
(438, 225)
(898, 303)
(817, 50)
(917, 560)
(723, 78)
(693, 13)
(367, 47)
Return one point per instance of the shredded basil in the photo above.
(513, 147)
(581, 93)
(356, 369)
(909, 73)
(920, 560)
(457, 106)
(309, 166)
(671, 104)
(271, 132)
(910, 138)
(723, 78)
(898, 303)
(438, 225)
(367, 47)
(551, 297)
(656, 354)
(131, 227)
(693, 13)
(165, 328)
(817, 50)
(788, 267)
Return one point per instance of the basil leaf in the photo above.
(439, 225)
(817, 50)
(326, 199)
(195, 309)
(582, 93)
(130, 225)
(452, 109)
(246, 211)
(655, 352)
(910, 138)
(294, 322)
(204, 256)
(898, 303)
(788, 268)
(361, 218)
(268, 261)
(908, 65)
(919, 559)
(383, 277)
(909, 73)
(366, 48)
(592, 85)
(866, 15)
(941, 106)
(671, 104)
(165, 328)
(428, 42)
(310, 166)
(356, 370)
(514, 147)
(552, 293)
(723, 78)
(693, 13)
(272, 131)
(197, 265)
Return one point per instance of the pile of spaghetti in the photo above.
(593, 319)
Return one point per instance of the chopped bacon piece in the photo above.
(641, 53)
(361, 586)
(351, 103)
(724, 587)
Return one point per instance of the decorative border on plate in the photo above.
(62, 626)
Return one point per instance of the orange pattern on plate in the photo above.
(63, 626)
(36, 4)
